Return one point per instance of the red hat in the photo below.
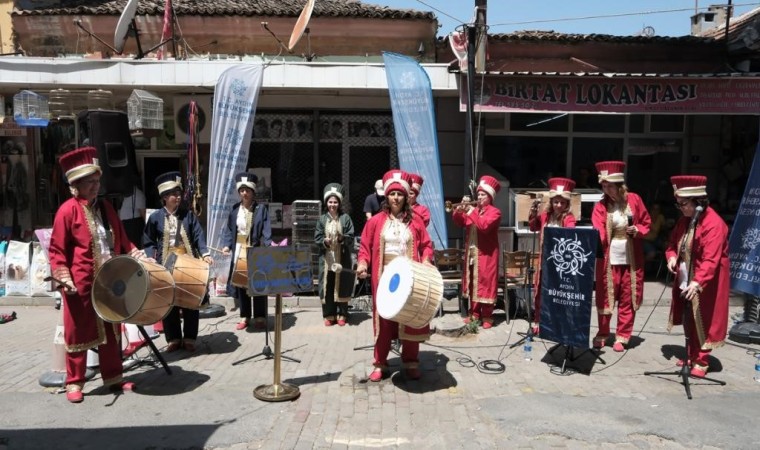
(79, 163)
(562, 187)
(689, 185)
(416, 182)
(489, 185)
(396, 180)
(611, 171)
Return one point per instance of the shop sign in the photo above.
(9, 128)
(615, 95)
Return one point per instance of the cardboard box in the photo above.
(524, 200)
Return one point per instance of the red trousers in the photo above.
(482, 311)
(695, 352)
(109, 355)
(621, 285)
(386, 333)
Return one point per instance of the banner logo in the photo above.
(568, 256)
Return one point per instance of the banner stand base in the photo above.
(571, 356)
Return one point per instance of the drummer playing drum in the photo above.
(394, 231)
(86, 232)
(247, 226)
(174, 229)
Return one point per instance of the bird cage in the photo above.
(145, 111)
(60, 103)
(99, 99)
(31, 109)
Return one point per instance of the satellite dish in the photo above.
(303, 20)
(122, 28)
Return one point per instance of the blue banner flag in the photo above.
(567, 279)
(416, 139)
(743, 248)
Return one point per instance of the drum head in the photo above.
(394, 288)
(120, 288)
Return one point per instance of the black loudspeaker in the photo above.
(108, 131)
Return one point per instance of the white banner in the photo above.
(235, 97)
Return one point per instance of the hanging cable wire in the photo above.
(608, 16)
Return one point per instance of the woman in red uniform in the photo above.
(701, 246)
(393, 232)
(421, 211)
(622, 221)
(86, 233)
(481, 276)
(556, 214)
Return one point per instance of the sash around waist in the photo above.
(178, 250)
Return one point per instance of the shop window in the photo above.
(587, 152)
(636, 123)
(666, 123)
(538, 122)
(526, 161)
(599, 123)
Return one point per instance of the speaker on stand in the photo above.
(108, 132)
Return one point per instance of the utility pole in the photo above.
(473, 31)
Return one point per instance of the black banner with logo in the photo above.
(567, 281)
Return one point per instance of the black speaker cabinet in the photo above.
(108, 131)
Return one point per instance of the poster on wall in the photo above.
(276, 215)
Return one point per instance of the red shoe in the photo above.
(618, 347)
(242, 325)
(75, 396)
(376, 375)
(600, 342)
(328, 323)
(487, 325)
(698, 371)
(414, 373)
(124, 386)
(466, 320)
(341, 322)
(535, 330)
(158, 327)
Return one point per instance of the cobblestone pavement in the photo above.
(460, 402)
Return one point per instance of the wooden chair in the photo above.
(515, 274)
(450, 263)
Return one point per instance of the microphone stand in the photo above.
(528, 290)
(685, 372)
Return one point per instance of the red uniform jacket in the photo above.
(602, 223)
(372, 251)
(538, 223)
(710, 268)
(481, 269)
(71, 250)
(422, 212)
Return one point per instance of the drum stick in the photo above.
(61, 282)
(214, 249)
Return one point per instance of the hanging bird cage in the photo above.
(145, 111)
(31, 109)
(100, 99)
(60, 103)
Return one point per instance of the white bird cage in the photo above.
(100, 99)
(145, 111)
(60, 103)
(31, 109)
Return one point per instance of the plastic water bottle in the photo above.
(528, 349)
(757, 367)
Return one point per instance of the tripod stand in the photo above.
(266, 352)
(528, 290)
(685, 372)
(149, 341)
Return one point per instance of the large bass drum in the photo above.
(191, 277)
(409, 292)
(132, 291)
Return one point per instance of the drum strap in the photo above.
(106, 226)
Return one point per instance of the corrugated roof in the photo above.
(282, 8)
(455, 69)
